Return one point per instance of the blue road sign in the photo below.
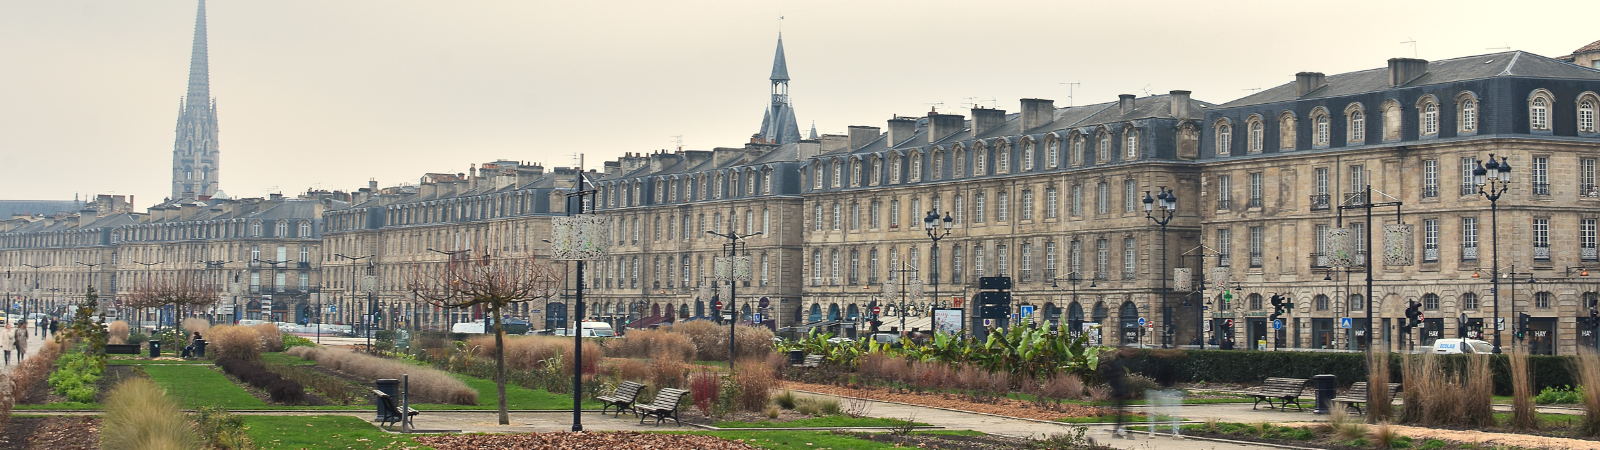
(333, 308)
(1027, 310)
(1277, 324)
(1344, 322)
(1141, 321)
(757, 317)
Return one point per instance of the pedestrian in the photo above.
(55, 327)
(5, 342)
(1115, 372)
(19, 341)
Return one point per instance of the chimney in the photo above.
(1403, 70)
(901, 129)
(372, 184)
(1305, 82)
(1125, 103)
(1180, 104)
(834, 142)
(985, 120)
(277, 196)
(860, 136)
(941, 126)
(1036, 113)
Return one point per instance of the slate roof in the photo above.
(1503, 64)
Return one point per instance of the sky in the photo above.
(328, 95)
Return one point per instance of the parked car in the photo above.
(1459, 345)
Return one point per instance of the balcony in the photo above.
(1255, 260)
(816, 281)
(1469, 189)
(1319, 202)
(1027, 275)
(1224, 203)
(1541, 188)
(302, 264)
(1469, 253)
(1224, 260)
(1323, 261)
(1589, 253)
(1255, 203)
(1129, 274)
(1357, 198)
(1430, 191)
(1588, 191)
(1541, 252)
(1100, 275)
(833, 281)
(1430, 253)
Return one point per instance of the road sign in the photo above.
(333, 308)
(1027, 310)
(956, 302)
(1277, 324)
(1344, 322)
(1227, 323)
(1500, 324)
(758, 318)
(764, 302)
(877, 310)
(1141, 321)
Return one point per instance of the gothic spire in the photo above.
(199, 95)
(780, 68)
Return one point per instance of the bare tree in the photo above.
(182, 289)
(489, 283)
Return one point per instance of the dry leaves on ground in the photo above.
(1005, 407)
(1485, 438)
(622, 440)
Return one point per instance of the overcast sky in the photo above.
(329, 94)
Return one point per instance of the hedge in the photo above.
(1247, 366)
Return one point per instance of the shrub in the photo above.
(592, 353)
(1381, 407)
(427, 382)
(666, 373)
(1523, 415)
(284, 391)
(219, 429)
(117, 332)
(139, 415)
(755, 382)
(1587, 366)
(33, 370)
(236, 342)
(271, 338)
(77, 376)
(290, 340)
(711, 340)
(1062, 386)
(194, 325)
(673, 346)
(137, 337)
(633, 370)
(704, 388)
(785, 400)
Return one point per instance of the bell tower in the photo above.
(194, 153)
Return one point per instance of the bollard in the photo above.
(1327, 387)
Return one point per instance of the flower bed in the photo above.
(1000, 407)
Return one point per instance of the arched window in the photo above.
(1287, 131)
(1257, 135)
(979, 166)
(1357, 126)
(1320, 302)
(1077, 150)
(1542, 299)
(938, 165)
(1355, 302)
(255, 229)
(1586, 114)
(1469, 301)
(1428, 109)
(281, 230)
(1102, 153)
(1224, 138)
(1430, 302)
(1002, 158)
(1053, 154)
(1255, 301)
(1468, 111)
(1539, 113)
(1133, 145)
(305, 229)
(1027, 156)
(960, 164)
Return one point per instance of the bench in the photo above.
(1358, 395)
(1282, 390)
(392, 411)
(623, 398)
(812, 361)
(122, 349)
(664, 406)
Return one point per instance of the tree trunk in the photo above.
(500, 361)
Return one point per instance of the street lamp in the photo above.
(369, 285)
(930, 223)
(735, 240)
(1169, 208)
(1492, 188)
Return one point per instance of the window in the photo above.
(1430, 123)
(1467, 165)
(816, 267)
(255, 229)
(305, 254)
(1003, 207)
(1469, 238)
(1586, 240)
(1050, 258)
(894, 213)
(1430, 240)
(1358, 127)
(1257, 135)
(874, 211)
(961, 210)
(1075, 257)
(1052, 200)
(1356, 302)
(858, 174)
(766, 181)
(305, 229)
(1586, 178)
(916, 168)
(978, 162)
(1102, 152)
(1256, 243)
(833, 267)
(1132, 146)
(1224, 194)
(1539, 114)
(1224, 247)
(1320, 302)
(1103, 197)
(894, 170)
(1025, 261)
(955, 265)
(1027, 205)
(1077, 200)
(1469, 301)
(855, 216)
(938, 165)
(1077, 150)
(1391, 120)
(978, 205)
(1256, 187)
(1052, 156)
(977, 260)
(855, 266)
(1541, 239)
(1130, 195)
(255, 253)
(961, 162)
(837, 213)
(1469, 115)
(766, 223)
(1130, 258)
(838, 174)
(1430, 178)
(1541, 175)
(1002, 158)
(816, 179)
(1542, 300)
(872, 265)
(1320, 200)
(1322, 135)
(281, 230)
(1255, 301)
(1224, 138)
(1586, 116)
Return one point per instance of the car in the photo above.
(1461, 345)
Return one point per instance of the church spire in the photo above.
(778, 126)
(780, 67)
(199, 66)
(195, 158)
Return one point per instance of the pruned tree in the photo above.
(182, 289)
(489, 283)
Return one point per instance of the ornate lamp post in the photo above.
(930, 223)
(1492, 188)
(732, 269)
(1169, 208)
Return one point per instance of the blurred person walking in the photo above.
(19, 341)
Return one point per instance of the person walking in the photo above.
(19, 341)
(55, 327)
(5, 342)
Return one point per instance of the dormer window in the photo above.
(1027, 157)
(1539, 114)
(1224, 138)
(1002, 157)
(1133, 146)
(978, 166)
(1053, 154)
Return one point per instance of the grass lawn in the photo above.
(821, 422)
(150, 362)
(787, 440)
(200, 386)
(298, 432)
(284, 358)
(62, 405)
(517, 397)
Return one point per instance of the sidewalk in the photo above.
(34, 343)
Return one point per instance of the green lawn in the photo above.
(62, 405)
(149, 362)
(285, 358)
(821, 422)
(517, 397)
(196, 386)
(316, 432)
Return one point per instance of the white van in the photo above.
(590, 329)
(468, 327)
(1458, 345)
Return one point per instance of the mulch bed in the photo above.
(312, 399)
(1000, 407)
(563, 440)
(693, 415)
(51, 433)
(951, 442)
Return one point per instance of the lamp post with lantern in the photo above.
(931, 224)
(1169, 208)
(1493, 188)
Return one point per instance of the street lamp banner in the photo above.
(735, 268)
(1183, 279)
(1397, 245)
(579, 238)
(917, 287)
(1219, 276)
(891, 289)
(725, 290)
(707, 290)
(1339, 245)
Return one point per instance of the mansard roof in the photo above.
(1493, 65)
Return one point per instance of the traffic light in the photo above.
(875, 324)
(1413, 316)
(1522, 325)
(1280, 306)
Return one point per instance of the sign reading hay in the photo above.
(1183, 279)
(579, 238)
(1339, 247)
(1398, 248)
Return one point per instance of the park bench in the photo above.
(664, 406)
(623, 398)
(122, 349)
(392, 411)
(812, 361)
(1282, 390)
(1358, 395)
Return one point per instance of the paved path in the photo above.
(34, 342)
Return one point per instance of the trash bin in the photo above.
(200, 348)
(388, 386)
(797, 357)
(1327, 387)
(155, 348)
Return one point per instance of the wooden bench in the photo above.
(664, 406)
(392, 411)
(623, 398)
(1282, 390)
(1358, 395)
(812, 361)
(122, 349)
